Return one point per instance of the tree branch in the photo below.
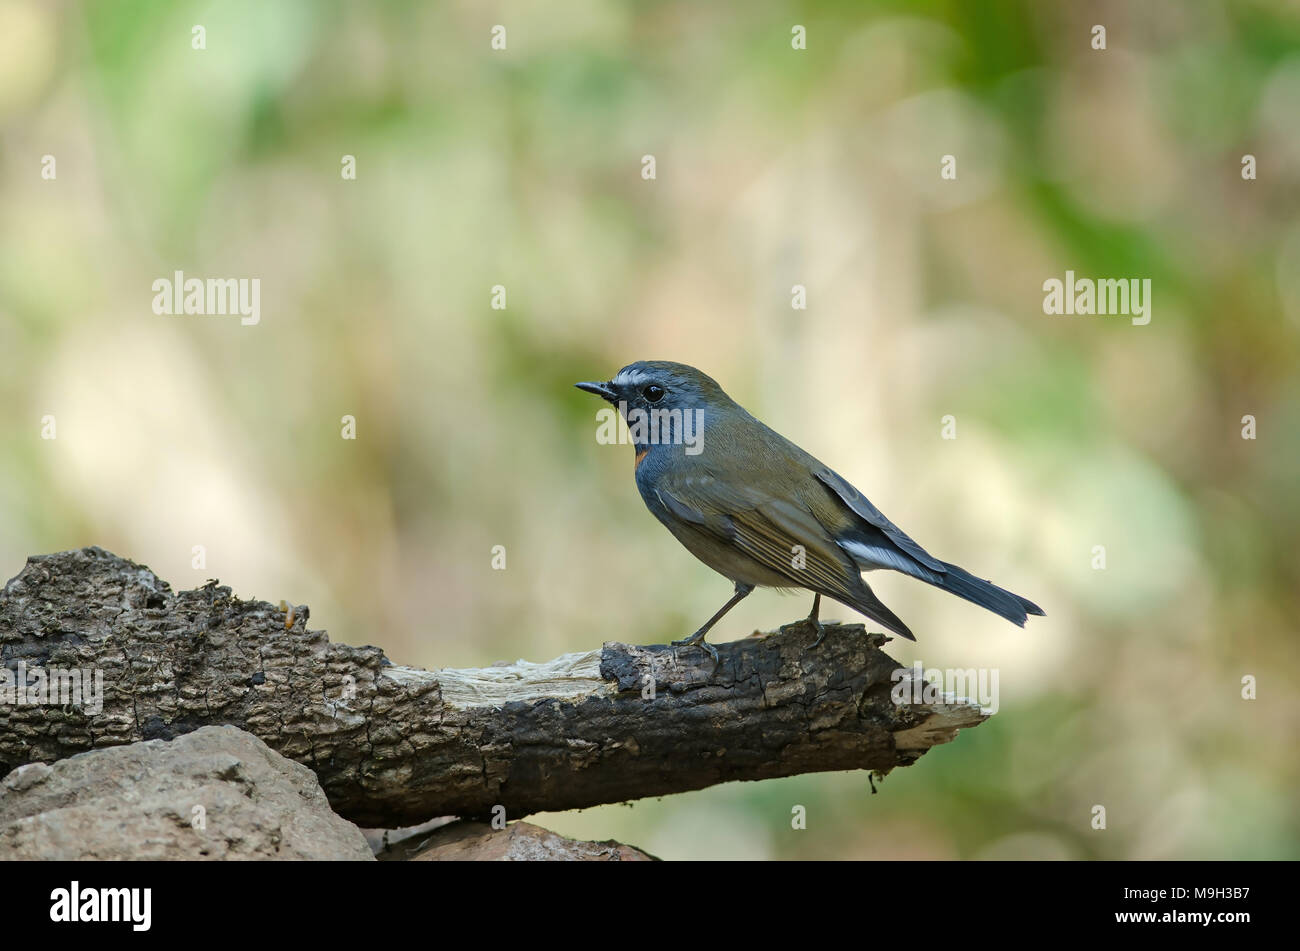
(398, 745)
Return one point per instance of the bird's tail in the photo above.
(986, 594)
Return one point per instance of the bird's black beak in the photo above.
(603, 390)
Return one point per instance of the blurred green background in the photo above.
(775, 167)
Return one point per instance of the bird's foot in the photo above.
(697, 640)
(817, 626)
(812, 621)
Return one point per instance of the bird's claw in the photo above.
(697, 640)
(813, 620)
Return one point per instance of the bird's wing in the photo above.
(768, 531)
(863, 508)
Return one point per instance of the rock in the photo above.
(517, 842)
(216, 793)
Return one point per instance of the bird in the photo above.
(762, 512)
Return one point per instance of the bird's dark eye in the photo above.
(653, 393)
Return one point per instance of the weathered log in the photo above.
(397, 745)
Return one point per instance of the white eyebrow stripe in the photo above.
(631, 378)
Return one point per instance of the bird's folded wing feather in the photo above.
(768, 530)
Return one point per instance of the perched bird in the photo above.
(760, 511)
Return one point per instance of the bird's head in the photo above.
(664, 404)
(659, 385)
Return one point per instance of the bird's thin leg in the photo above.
(697, 639)
(816, 624)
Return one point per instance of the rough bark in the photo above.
(397, 745)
